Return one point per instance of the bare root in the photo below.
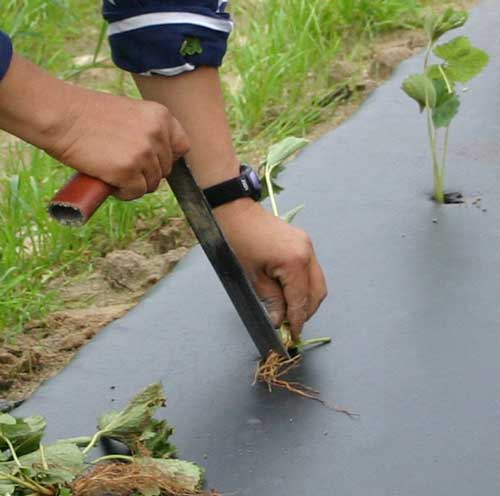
(271, 371)
(125, 479)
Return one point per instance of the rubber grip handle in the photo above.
(78, 199)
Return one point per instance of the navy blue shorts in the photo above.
(5, 54)
(167, 37)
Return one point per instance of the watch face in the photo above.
(255, 184)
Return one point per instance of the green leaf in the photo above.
(420, 88)
(155, 439)
(81, 441)
(24, 434)
(434, 73)
(6, 419)
(443, 114)
(431, 21)
(436, 25)
(65, 461)
(291, 214)
(191, 46)
(135, 427)
(273, 165)
(462, 60)
(187, 475)
(442, 91)
(7, 488)
(279, 152)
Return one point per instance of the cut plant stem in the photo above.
(307, 343)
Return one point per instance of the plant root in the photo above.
(125, 479)
(272, 370)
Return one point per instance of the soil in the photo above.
(91, 302)
(123, 276)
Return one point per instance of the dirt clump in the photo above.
(130, 271)
(389, 54)
(169, 237)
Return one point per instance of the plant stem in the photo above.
(12, 450)
(100, 41)
(42, 456)
(438, 175)
(438, 171)
(113, 457)
(448, 85)
(39, 488)
(427, 55)
(28, 485)
(315, 342)
(270, 190)
(92, 443)
(445, 150)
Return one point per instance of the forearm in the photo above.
(129, 144)
(195, 99)
(33, 104)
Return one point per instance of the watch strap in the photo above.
(229, 190)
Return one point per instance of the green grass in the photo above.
(37, 30)
(279, 63)
(276, 82)
(34, 249)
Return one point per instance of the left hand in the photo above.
(279, 260)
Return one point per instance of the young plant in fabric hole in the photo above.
(436, 89)
(28, 467)
(273, 369)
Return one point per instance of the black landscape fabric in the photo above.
(413, 311)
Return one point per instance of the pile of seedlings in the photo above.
(30, 468)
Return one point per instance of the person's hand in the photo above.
(127, 143)
(279, 259)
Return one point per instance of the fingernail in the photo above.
(275, 318)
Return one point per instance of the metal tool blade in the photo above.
(224, 261)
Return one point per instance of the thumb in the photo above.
(271, 295)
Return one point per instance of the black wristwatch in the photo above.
(246, 185)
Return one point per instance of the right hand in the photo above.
(129, 144)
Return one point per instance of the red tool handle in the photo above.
(78, 199)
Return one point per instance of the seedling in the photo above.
(274, 368)
(436, 88)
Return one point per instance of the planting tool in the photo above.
(82, 195)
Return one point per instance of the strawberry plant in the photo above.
(272, 166)
(30, 468)
(436, 89)
(273, 368)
